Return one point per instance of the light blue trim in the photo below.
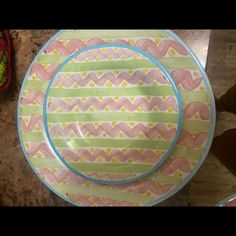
(171, 147)
(180, 186)
(226, 200)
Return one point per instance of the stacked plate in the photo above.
(228, 202)
(115, 117)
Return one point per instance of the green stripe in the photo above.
(190, 125)
(92, 92)
(187, 153)
(165, 179)
(31, 110)
(96, 167)
(34, 136)
(168, 63)
(111, 168)
(115, 143)
(98, 65)
(39, 162)
(36, 85)
(196, 125)
(178, 63)
(51, 59)
(103, 65)
(194, 96)
(102, 193)
(113, 116)
(187, 96)
(87, 34)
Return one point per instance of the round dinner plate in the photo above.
(115, 117)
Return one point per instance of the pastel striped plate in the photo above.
(115, 117)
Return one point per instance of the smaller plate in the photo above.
(112, 113)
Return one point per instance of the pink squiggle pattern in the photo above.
(142, 187)
(195, 107)
(40, 147)
(71, 46)
(32, 96)
(144, 44)
(192, 141)
(111, 131)
(137, 76)
(138, 187)
(43, 73)
(148, 155)
(111, 176)
(160, 51)
(185, 78)
(163, 105)
(102, 54)
(96, 201)
(178, 163)
(34, 120)
(61, 175)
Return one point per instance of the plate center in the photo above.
(112, 113)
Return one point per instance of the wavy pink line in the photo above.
(42, 73)
(151, 47)
(141, 187)
(138, 187)
(92, 55)
(152, 75)
(72, 45)
(186, 79)
(113, 105)
(195, 107)
(170, 166)
(34, 120)
(111, 176)
(37, 96)
(131, 132)
(91, 201)
(192, 141)
(40, 147)
(61, 175)
(144, 44)
(147, 155)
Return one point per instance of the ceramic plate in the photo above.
(80, 147)
(228, 202)
(112, 113)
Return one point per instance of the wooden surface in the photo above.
(19, 186)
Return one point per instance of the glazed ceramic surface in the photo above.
(112, 114)
(99, 114)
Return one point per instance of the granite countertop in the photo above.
(19, 186)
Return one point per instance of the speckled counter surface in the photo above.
(19, 186)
